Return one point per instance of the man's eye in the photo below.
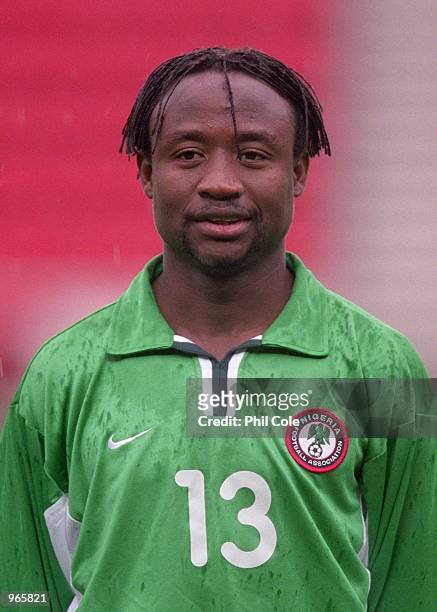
(253, 156)
(188, 155)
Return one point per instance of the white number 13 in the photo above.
(255, 515)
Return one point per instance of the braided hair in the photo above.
(310, 138)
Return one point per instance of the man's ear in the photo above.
(145, 174)
(300, 173)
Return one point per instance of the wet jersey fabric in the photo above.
(106, 503)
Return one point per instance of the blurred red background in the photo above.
(75, 226)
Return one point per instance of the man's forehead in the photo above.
(239, 82)
(188, 132)
(208, 91)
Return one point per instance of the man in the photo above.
(106, 503)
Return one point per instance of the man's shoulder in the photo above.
(67, 358)
(88, 335)
(340, 308)
(375, 342)
(65, 366)
(341, 311)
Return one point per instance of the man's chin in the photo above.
(223, 265)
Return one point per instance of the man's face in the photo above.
(217, 211)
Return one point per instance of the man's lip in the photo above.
(223, 231)
(221, 215)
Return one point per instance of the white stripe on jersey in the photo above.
(63, 531)
(206, 369)
(363, 555)
(231, 373)
(177, 338)
(232, 377)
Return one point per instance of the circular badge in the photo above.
(317, 440)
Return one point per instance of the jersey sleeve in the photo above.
(28, 562)
(400, 489)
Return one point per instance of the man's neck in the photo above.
(221, 313)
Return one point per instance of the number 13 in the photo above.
(254, 515)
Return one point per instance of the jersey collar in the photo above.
(137, 324)
(302, 325)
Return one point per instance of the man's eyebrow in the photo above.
(181, 135)
(260, 135)
(242, 136)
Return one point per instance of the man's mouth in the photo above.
(222, 216)
(223, 220)
(222, 227)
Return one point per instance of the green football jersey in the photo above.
(108, 504)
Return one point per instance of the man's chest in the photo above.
(138, 439)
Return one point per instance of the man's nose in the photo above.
(220, 180)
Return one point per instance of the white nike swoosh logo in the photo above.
(112, 444)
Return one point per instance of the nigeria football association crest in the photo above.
(317, 440)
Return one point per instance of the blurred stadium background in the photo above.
(75, 227)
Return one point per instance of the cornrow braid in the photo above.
(231, 102)
(311, 137)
